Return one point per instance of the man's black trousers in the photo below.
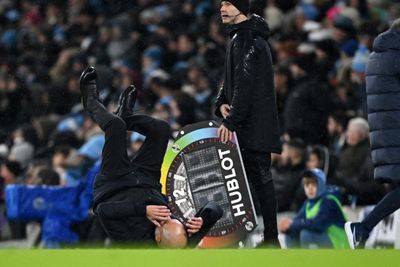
(257, 166)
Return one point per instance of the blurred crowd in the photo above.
(173, 51)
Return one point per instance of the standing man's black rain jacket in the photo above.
(249, 87)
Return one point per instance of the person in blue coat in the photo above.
(383, 98)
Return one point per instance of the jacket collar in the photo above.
(255, 23)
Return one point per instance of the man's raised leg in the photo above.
(115, 160)
(151, 154)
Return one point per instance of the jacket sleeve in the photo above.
(326, 216)
(120, 209)
(220, 101)
(296, 225)
(244, 69)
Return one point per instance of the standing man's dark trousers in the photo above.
(257, 165)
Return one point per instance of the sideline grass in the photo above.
(198, 258)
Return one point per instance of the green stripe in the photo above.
(311, 213)
(339, 205)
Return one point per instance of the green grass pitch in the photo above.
(198, 258)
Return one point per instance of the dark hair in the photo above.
(322, 154)
(310, 177)
(186, 105)
(340, 117)
(2, 184)
(299, 146)
(14, 167)
(30, 134)
(306, 62)
(62, 149)
(282, 69)
(296, 143)
(318, 152)
(285, 71)
(48, 176)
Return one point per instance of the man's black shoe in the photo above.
(127, 102)
(269, 244)
(356, 234)
(88, 85)
(123, 99)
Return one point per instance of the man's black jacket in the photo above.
(249, 87)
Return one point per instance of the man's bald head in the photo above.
(171, 234)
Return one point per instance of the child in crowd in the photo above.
(319, 223)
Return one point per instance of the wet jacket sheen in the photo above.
(249, 87)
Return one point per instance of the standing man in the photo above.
(247, 104)
(383, 101)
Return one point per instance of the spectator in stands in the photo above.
(309, 103)
(320, 221)
(283, 87)
(45, 176)
(344, 32)
(286, 173)
(11, 172)
(59, 161)
(358, 65)
(2, 185)
(345, 40)
(326, 56)
(162, 88)
(355, 171)
(199, 87)
(79, 163)
(24, 142)
(336, 126)
(151, 62)
(33, 169)
(182, 110)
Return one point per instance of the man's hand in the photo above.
(194, 225)
(284, 225)
(224, 134)
(157, 214)
(224, 109)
